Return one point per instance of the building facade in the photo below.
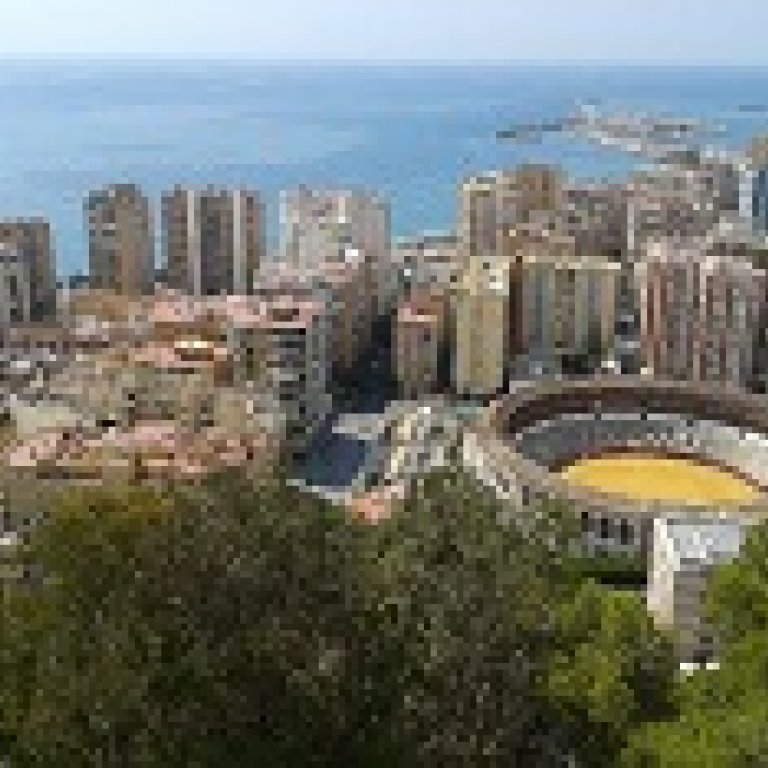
(701, 312)
(213, 240)
(33, 241)
(340, 226)
(569, 306)
(683, 555)
(428, 261)
(483, 340)
(420, 344)
(280, 347)
(121, 254)
(15, 287)
(492, 203)
(348, 309)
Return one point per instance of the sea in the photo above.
(407, 132)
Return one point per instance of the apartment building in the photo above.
(670, 201)
(338, 226)
(492, 203)
(757, 184)
(702, 308)
(15, 287)
(281, 349)
(483, 337)
(430, 260)
(421, 343)
(349, 309)
(568, 304)
(32, 240)
(121, 254)
(596, 216)
(213, 240)
(274, 346)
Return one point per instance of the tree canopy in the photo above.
(246, 623)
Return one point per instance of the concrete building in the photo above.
(568, 304)
(757, 184)
(420, 344)
(341, 287)
(39, 465)
(702, 308)
(596, 216)
(32, 240)
(119, 386)
(15, 287)
(274, 346)
(183, 350)
(280, 346)
(213, 240)
(121, 253)
(683, 555)
(669, 202)
(483, 338)
(430, 260)
(492, 203)
(338, 226)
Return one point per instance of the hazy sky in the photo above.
(684, 31)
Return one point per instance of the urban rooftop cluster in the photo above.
(226, 356)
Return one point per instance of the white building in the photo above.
(339, 226)
(683, 555)
(281, 347)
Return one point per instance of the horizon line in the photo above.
(213, 58)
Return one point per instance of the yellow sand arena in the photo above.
(647, 477)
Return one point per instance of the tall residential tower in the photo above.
(32, 242)
(213, 240)
(121, 253)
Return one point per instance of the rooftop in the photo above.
(149, 448)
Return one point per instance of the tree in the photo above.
(612, 673)
(224, 626)
(245, 623)
(509, 658)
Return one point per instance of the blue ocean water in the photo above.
(410, 132)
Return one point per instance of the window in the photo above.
(626, 533)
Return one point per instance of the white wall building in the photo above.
(684, 553)
(327, 226)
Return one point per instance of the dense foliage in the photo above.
(249, 624)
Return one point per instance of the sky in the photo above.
(643, 31)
